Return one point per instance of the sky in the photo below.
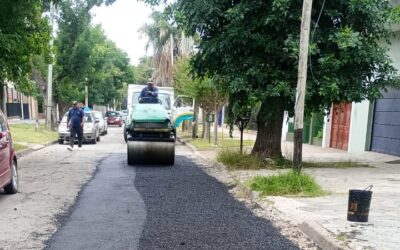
(121, 22)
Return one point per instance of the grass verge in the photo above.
(203, 144)
(26, 133)
(234, 160)
(286, 184)
(19, 147)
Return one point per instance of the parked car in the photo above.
(124, 114)
(102, 122)
(114, 118)
(8, 160)
(91, 131)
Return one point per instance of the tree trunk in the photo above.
(4, 96)
(206, 130)
(196, 120)
(54, 120)
(216, 126)
(203, 134)
(269, 131)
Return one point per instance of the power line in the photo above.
(312, 39)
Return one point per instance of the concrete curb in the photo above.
(311, 229)
(27, 151)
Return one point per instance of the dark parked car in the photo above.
(8, 160)
(114, 118)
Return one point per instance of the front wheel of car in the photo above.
(12, 188)
(60, 141)
(98, 137)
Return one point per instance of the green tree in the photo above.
(24, 33)
(252, 46)
(84, 56)
(109, 68)
(204, 91)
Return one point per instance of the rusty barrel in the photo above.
(359, 204)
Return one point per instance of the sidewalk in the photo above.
(326, 216)
(25, 121)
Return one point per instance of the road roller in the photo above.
(150, 134)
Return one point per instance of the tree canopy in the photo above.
(24, 33)
(252, 47)
(85, 56)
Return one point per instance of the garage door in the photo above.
(386, 125)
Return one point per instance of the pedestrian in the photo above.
(150, 90)
(75, 123)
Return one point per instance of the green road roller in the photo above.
(150, 134)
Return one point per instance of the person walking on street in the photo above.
(75, 122)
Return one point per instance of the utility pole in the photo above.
(301, 84)
(22, 105)
(172, 49)
(50, 73)
(86, 96)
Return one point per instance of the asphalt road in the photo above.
(154, 207)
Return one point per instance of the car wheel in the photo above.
(60, 141)
(94, 141)
(106, 132)
(98, 138)
(120, 125)
(12, 188)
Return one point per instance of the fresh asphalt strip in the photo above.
(157, 207)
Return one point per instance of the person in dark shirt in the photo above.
(75, 122)
(150, 90)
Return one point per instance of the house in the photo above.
(18, 106)
(358, 127)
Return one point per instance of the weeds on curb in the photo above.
(234, 160)
(290, 183)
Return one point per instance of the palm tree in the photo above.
(164, 38)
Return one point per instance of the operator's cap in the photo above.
(150, 81)
(74, 102)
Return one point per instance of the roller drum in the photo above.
(151, 152)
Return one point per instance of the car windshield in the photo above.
(65, 117)
(88, 117)
(165, 99)
(98, 115)
(112, 113)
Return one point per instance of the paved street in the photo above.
(126, 207)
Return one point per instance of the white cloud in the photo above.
(121, 22)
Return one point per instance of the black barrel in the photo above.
(359, 203)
